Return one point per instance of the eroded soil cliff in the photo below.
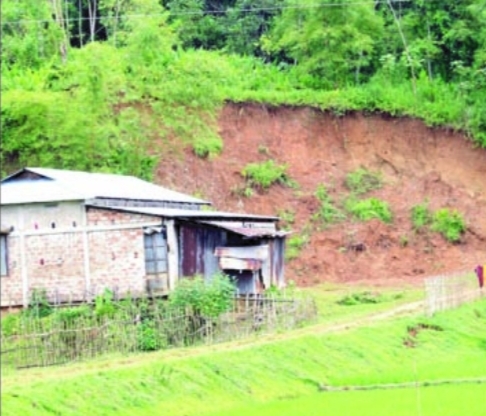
(417, 163)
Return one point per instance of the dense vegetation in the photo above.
(91, 84)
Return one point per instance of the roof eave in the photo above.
(193, 216)
(12, 175)
(92, 201)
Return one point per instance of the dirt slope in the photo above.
(417, 162)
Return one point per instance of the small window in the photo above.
(155, 253)
(3, 254)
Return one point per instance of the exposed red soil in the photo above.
(418, 163)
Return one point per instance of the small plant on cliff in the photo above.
(208, 147)
(287, 218)
(449, 223)
(367, 209)
(263, 175)
(295, 245)
(421, 216)
(361, 181)
(327, 212)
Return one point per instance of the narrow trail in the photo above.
(411, 308)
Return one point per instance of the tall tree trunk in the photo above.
(115, 23)
(59, 16)
(80, 22)
(92, 10)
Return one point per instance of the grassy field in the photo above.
(285, 370)
(449, 400)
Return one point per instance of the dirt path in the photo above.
(412, 308)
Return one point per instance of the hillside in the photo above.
(418, 164)
(135, 86)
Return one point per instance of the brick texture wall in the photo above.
(55, 260)
(117, 260)
(98, 216)
(55, 263)
(11, 293)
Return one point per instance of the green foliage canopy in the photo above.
(332, 44)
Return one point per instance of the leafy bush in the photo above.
(449, 223)
(421, 216)
(104, 304)
(39, 305)
(207, 299)
(361, 181)
(263, 175)
(208, 147)
(71, 315)
(327, 212)
(148, 338)
(294, 245)
(10, 324)
(367, 209)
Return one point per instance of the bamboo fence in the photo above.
(75, 333)
(450, 291)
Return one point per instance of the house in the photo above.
(76, 233)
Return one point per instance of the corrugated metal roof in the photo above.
(43, 190)
(85, 185)
(252, 232)
(193, 214)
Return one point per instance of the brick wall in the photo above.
(98, 216)
(11, 293)
(55, 258)
(117, 260)
(55, 263)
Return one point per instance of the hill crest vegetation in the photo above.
(94, 84)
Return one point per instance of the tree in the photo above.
(30, 36)
(439, 34)
(333, 42)
(195, 27)
(246, 22)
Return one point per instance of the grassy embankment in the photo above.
(283, 371)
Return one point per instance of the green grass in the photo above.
(261, 371)
(448, 400)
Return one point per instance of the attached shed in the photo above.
(74, 234)
(246, 247)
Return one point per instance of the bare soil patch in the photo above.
(418, 163)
